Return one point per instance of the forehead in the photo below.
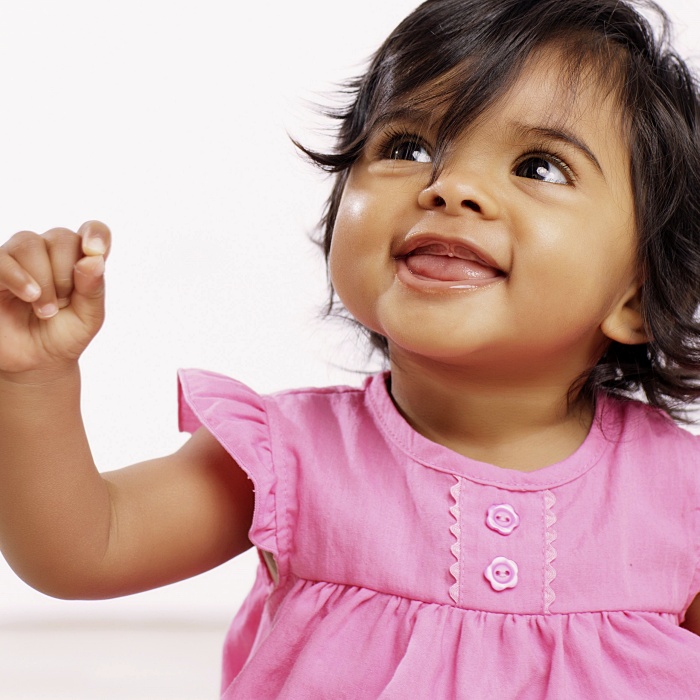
(560, 82)
(554, 94)
(550, 81)
(549, 95)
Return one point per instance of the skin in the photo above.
(491, 388)
(486, 371)
(66, 529)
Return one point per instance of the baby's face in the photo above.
(520, 257)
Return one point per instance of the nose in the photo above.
(456, 192)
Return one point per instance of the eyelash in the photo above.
(394, 136)
(545, 152)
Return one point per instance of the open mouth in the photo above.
(445, 264)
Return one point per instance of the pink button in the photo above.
(502, 518)
(502, 573)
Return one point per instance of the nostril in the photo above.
(438, 201)
(471, 204)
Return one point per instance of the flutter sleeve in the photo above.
(235, 415)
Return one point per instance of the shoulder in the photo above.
(656, 450)
(218, 397)
(326, 398)
(331, 415)
(652, 428)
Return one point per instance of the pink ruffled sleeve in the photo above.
(235, 415)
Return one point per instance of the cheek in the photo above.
(586, 281)
(348, 258)
(587, 249)
(360, 264)
(354, 243)
(341, 259)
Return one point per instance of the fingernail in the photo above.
(32, 291)
(95, 246)
(47, 311)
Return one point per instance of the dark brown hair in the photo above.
(458, 57)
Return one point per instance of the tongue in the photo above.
(447, 268)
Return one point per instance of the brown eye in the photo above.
(407, 148)
(543, 169)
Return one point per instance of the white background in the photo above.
(169, 121)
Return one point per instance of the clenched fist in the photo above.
(51, 296)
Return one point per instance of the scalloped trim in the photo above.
(456, 531)
(550, 554)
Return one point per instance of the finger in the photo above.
(30, 251)
(15, 279)
(64, 247)
(87, 300)
(96, 237)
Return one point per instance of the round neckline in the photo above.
(604, 431)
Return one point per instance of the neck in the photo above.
(522, 423)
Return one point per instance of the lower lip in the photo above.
(426, 284)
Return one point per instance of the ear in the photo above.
(624, 323)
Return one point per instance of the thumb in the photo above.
(87, 299)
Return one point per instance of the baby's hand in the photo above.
(51, 296)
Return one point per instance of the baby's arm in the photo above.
(64, 528)
(692, 616)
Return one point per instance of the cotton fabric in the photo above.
(383, 544)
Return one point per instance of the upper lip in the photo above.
(460, 247)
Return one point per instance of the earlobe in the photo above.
(625, 323)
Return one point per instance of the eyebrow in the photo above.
(411, 117)
(559, 134)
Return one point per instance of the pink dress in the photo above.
(410, 572)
